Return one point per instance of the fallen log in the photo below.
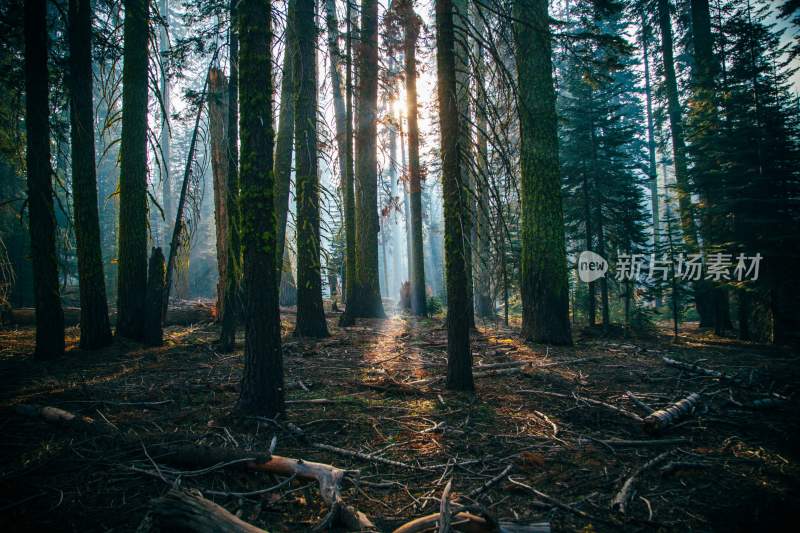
(465, 522)
(668, 416)
(182, 315)
(692, 368)
(180, 510)
(620, 501)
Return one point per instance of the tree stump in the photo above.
(154, 300)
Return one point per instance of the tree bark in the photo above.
(459, 354)
(262, 389)
(285, 138)
(95, 327)
(232, 303)
(484, 302)
(460, 16)
(310, 313)
(544, 287)
(369, 303)
(156, 284)
(132, 271)
(411, 26)
(348, 194)
(217, 111)
(49, 315)
(652, 173)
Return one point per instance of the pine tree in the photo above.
(95, 329)
(49, 314)
(284, 140)
(411, 26)
(459, 354)
(232, 302)
(368, 303)
(545, 295)
(262, 390)
(310, 313)
(132, 272)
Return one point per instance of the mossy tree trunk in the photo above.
(368, 302)
(459, 354)
(49, 314)
(231, 306)
(132, 276)
(411, 26)
(95, 328)
(262, 389)
(543, 285)
(310, 313)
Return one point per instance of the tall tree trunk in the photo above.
(544, 286)
(685, 207)
(218, 115)
(49, 314)
(704, 126)
(95, 328)
(652, 173)
(484, 302)
(335, 64)
(232, 304)
(310, 313)
(348, 194)
(591, 293)
(368, 304)
(460, 21)
(459, 354)
(164, 142)
(262, 389)
(676, 128)
(132, 277)
(284, 141)
(411, 31)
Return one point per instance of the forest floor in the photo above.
(730, 467)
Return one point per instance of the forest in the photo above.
(480, 266)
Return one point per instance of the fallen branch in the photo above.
(668, 416)
(639, 403)
(620, 501)
(623, 412)
(465, 522)
(475, 374)
(490, 483)
(625, 442)
(550, 499)
(672, 466)
(180, 510)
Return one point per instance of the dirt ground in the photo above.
(731, 467)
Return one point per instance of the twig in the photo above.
(486, 486)
(557, 503)
(620, 501)
(444, 509)
(252, 492)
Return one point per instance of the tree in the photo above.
(348, 192)
(368, 304)
(49, 314)
(95, 329)
(262, 380)
(411, 25)
(132, 276)
(231, 301)
(283, 141)
(459, 354)
(544, 287)
(310, 312)
(164, 138)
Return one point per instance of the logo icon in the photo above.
(591, 266)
